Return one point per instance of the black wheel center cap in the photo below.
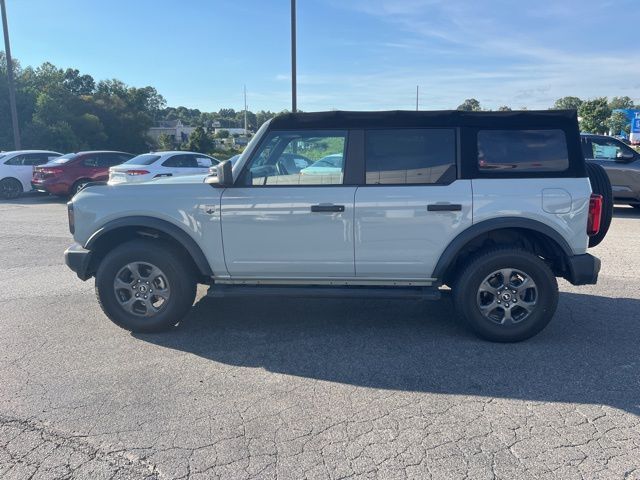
(143, 288)
(506, 296)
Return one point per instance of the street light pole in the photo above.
(12, 90)
(294, 93)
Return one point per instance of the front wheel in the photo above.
(145, 285)
(506, 295)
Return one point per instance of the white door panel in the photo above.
(398, 237)
(272, 231)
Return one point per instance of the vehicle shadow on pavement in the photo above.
(626, 212)
(588, 354)
(33, 199)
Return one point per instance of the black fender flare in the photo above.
(171, 230)
(450, 253)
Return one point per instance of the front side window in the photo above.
(609, 150)
(410, 156)
(509, 151)
(298, 158)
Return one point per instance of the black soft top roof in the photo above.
(563, 119)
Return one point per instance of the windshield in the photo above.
(63, 159)
(145, 159)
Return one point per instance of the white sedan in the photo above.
(16, 170)
(160, 164)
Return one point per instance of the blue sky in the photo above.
(352, 54)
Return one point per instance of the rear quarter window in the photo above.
(522, 151)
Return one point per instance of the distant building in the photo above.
(173, 128)
(240, 141)
(232, 131)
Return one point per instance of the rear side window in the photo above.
(410, 156)
(508, 151)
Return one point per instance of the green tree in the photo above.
(618, 122)
(567, 103)
(621, 103)
(504, 108)
(165, 142)
(594, 114)
(200, 141)
(222, 134)
(470, 105)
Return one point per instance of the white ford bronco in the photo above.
(494, 205)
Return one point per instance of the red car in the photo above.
(68, 174)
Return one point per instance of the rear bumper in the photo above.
(583, 269)
(53, 187)
(77, 259)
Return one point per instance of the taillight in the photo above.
(72, 218)
(51, 171)
(137, 172)
(595, 214)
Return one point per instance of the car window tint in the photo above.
(18, 160)
(507, 151)
(92, 161)
(145, 159)
(297, 158)
(609, 150)
(32, 159)
(410, 156)
(204, 162)
(181, 161)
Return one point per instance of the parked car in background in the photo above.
(326, 165)
(16, 170)
(161, 164)
(68, 174)
(621, 162)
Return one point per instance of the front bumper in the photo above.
(78, 259)
(583, 269)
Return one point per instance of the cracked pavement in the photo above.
(323, 389)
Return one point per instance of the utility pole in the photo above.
(245, 110)
(12, 88)
(294, 94)
(417, 96)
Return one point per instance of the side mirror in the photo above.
(225, 174)
(624, 156)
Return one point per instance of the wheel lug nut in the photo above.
(137, 294)
(498, 301)
(513, 291)
(506, 305)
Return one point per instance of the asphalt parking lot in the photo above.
(309, 388)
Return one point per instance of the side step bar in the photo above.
(321, 291)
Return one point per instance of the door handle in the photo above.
(327, 208)
(444, 207)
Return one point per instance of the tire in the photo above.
(529, 313)
(10, 188)
(77, 187)
(601, 185)
(117, 285)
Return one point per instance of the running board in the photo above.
(321, 291)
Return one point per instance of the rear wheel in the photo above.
(601, 185)
(145, 286)
(10, 188)
(506, 295)
(78, 186)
